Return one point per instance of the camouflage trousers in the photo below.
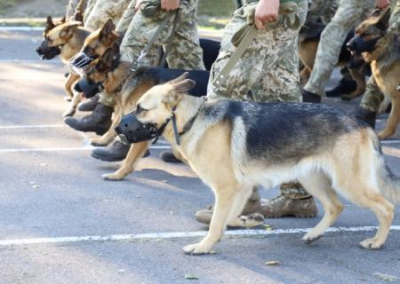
(348, 15)
(268, 68)
(103, 10)
(185, 52)
(71, 8)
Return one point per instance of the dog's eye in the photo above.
(139, 109)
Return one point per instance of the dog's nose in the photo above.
(351, 45)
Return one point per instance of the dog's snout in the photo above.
(352, 44)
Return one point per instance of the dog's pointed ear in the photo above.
(69, 29)
(106, 30)
(49, 23)
(104, 63)
(78, 16)
(179, 79)
(115, 48)
(63, 20)
(184, 86)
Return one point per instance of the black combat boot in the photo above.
(89, 105)
(344, 87)
(99, 121)
(114, 152)
(169, 157)
(309, 97)
(367, 116)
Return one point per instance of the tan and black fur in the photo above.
(66, 40)
(127, 87)
(385, 64)
(234, 146)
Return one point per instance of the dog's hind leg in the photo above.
(319, 186)
(225, 197)
(238, 220)
(393, 120)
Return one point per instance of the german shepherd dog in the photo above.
(65, 39)
(309, 37)
(127, 87)
(381, 50)
(234, 146)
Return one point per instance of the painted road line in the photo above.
(32, 126)
(155, 147)
(180, 235)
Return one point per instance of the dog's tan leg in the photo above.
(136, 151)
(225, 200)
(76, 97)
(109, 136)
(235, 218)
(68, 86)
(393, 121)
(319, 186)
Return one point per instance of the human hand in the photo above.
(382, 4)
(266, 12)
(170, 5)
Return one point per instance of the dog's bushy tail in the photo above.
(388, 182)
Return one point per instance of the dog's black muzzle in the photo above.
(357, 45)
(48, 52)
(131, 130)
(88, 89)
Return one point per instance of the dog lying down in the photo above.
(234, 146)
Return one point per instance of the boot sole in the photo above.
(106, 159)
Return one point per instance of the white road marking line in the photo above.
(22, 29)
(67, 149)
(32, 126)
(179, 235)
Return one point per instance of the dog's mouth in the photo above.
(131, 130)
(79, 63)
(48, 53)
(358, 45)
(89, 89)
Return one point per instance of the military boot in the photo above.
(204, 215)
(282, 206)
(169, 157)
(344, 87)
(309, 97)
(114, 152)
(367, 116)
(89, 105)
(99, 121)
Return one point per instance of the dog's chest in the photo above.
(385, 78)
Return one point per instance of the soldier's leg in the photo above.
(185, 52)
(89, 8)
(71, 8)
(127, 17)
(349, 13)
(104, 10)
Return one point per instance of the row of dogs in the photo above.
(234, 146)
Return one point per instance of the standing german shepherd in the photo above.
(66, 40)
(382, 51)
(234, 146)
(127, 87)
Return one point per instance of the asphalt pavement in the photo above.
(61, 223)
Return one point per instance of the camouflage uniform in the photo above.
(373, 97)
(127, 17)
(268, 68)
(89, 8)
(104, 10)
(349, 14)
(185, 52)
(71, 8)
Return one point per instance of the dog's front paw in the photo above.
(197, 249)
(98, 142)
(112, 177)
(371, 243)
(67, 98)
(310, 238)
(69, 112)
(385, 134)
